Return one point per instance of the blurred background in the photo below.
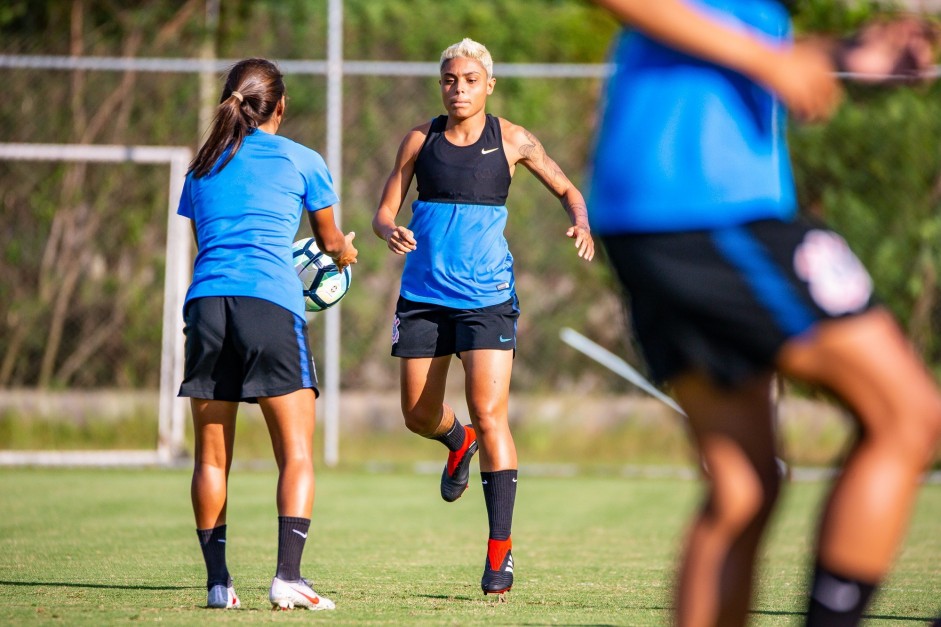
(82, 252)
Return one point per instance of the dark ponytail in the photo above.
(252, 91)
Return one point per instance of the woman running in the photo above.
(458, 294)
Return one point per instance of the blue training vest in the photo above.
(462, 259)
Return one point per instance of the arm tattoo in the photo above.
(540, 161)
(579, 214)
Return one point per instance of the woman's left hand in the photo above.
(583, 241)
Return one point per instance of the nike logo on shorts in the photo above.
(505, 339)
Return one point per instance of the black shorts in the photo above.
(240, 348)
(426, 330)
(725, 301)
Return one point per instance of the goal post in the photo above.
(171, 409)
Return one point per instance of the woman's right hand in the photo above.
(401, 241)
(802, 76)
(349, 253)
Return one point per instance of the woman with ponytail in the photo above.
(246, 335)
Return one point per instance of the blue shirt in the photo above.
(247, 216)
(686, 144)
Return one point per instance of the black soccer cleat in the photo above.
(456, 472)
(498, 567)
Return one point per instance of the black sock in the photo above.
(292, 535)
(212, 542)
(837, 601)
(500, 496)
(454, 438)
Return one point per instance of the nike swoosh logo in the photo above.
(314, 600)
(487, 151)
(506, 339)
(484, 482)
(300, 533)
(514, 480)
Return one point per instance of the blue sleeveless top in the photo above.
(685, 144)
(462, 259)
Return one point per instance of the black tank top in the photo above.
(478, 174)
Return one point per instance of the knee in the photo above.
(295, 460)
(209, 480)
(420, 420)
(210, 461)
(736, 502)
(210, 468)
(489, 421)
(918, 435)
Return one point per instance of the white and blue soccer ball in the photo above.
(324, 285)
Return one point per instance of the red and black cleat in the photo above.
(498, 568)
(457, 470)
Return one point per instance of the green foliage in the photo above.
(828, 16)
(13, 13)
(542, 31)
(277, 29)
(872, 172)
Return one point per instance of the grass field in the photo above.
(118, 546)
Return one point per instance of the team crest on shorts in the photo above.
(835, 277)
(395, 329)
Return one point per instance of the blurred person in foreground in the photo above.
(458, 294)
(693, 197)
(246, 335)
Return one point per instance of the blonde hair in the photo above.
(469, 49)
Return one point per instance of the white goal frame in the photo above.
(172, 410)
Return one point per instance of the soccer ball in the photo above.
(323, 284)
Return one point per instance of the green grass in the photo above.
(116, 546)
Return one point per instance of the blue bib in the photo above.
(462, 260)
